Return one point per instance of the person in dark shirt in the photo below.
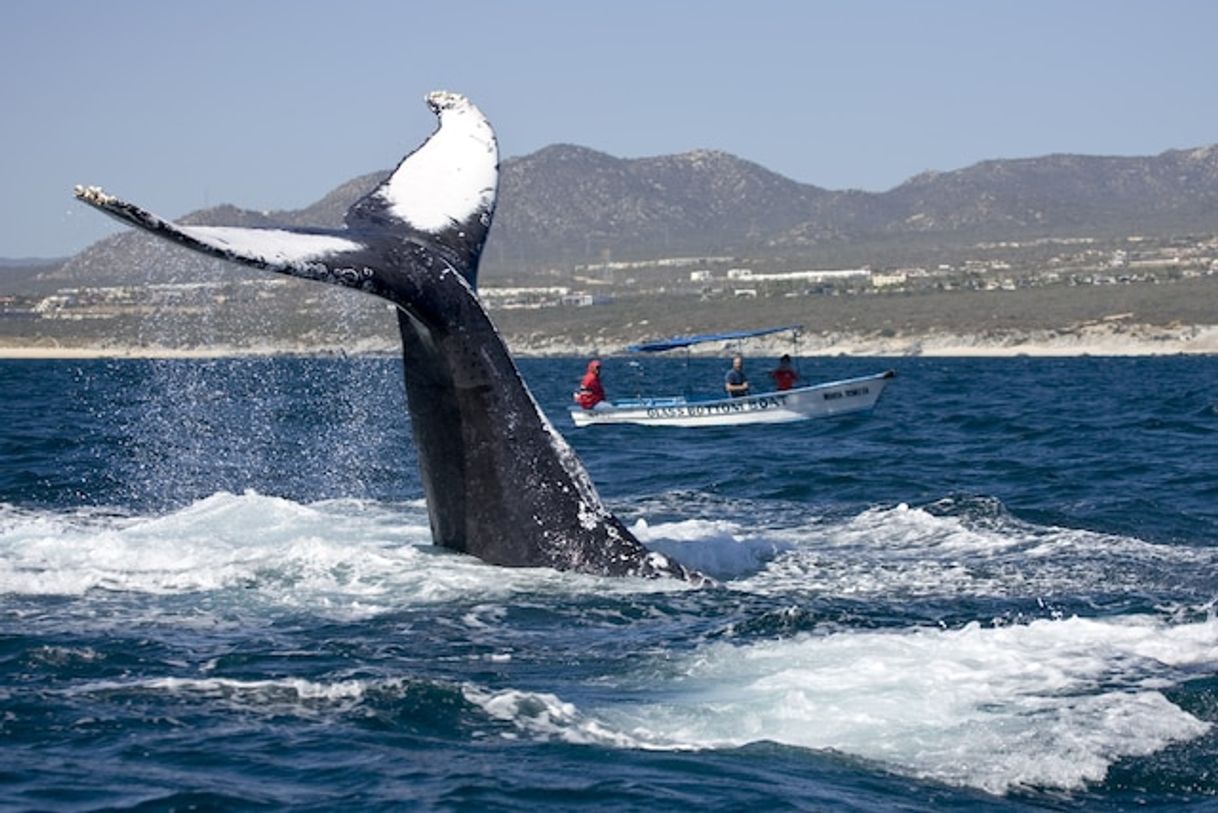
(736, 382)
(591, 392)
(784, 374)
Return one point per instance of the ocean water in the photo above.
(995, 592)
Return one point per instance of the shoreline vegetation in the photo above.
(1172, 318)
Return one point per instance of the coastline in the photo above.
(1098, 339)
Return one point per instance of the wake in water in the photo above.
(820, 638)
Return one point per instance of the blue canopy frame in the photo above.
(660, 345)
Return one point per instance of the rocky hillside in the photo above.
(1064, 192)
(566, 204)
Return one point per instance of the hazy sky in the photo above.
(269, 104)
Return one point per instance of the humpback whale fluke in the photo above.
(501, 483)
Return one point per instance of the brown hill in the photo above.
(566, 204)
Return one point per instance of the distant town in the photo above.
(1054, 284)
(999, 266)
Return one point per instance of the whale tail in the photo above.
(440, 197)
(501, 483)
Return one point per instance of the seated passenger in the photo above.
(784, 374)
(591, 392)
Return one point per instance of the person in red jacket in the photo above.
(591, 392)
(784, 374)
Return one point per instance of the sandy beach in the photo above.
(1112, 338)
(1105, 338)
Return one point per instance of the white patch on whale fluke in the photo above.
(93, 194)
(274, 246)
(454, 174)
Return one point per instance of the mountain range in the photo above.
(565, 205)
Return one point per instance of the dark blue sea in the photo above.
(996, 591)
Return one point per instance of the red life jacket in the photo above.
(784, 377)
(590, 391)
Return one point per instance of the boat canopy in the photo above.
(660, 345)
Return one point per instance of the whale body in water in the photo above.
(501, 483)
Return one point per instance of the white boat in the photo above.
(800, 404)
(779, 406)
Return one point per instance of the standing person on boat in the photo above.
(591, 392)
(735, 382)
(784, 374)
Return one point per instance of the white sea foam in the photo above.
(544, 715)
(291, 696)
(904, 551)
(1051, 704)
(362, 557)
(344, 558)
(974, 549)
(717, 548)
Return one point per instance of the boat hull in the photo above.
(818, 401)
